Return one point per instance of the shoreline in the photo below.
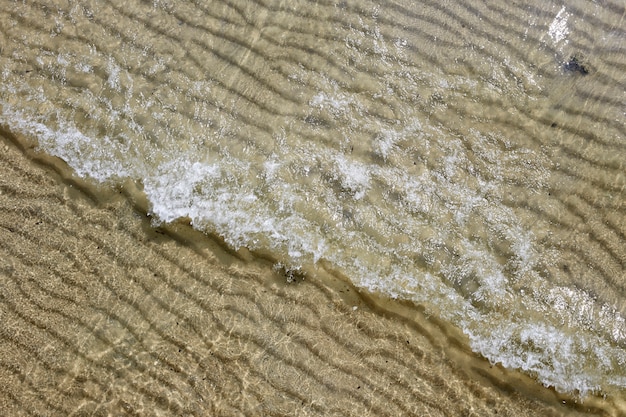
(104, 313)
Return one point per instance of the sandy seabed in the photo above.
(104, 314)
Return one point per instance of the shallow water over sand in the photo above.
(468, 158)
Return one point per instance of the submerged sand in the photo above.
(103, 314)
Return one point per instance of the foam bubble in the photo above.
(353, 175)
(558, 29)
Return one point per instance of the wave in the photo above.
(434, 155)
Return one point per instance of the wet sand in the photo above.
(104, 314)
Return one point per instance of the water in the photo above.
(468, 157)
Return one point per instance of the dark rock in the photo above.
(574, 65)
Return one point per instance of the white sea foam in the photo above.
(88, 158)
(336, 103)
(114, 75)
(353, 175)
(558, 30)
(555, 356)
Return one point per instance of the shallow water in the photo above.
(466, 157)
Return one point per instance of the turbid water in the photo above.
(468, 157)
